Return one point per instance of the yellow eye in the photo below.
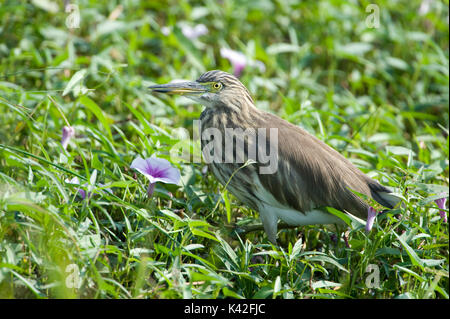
(217, 85)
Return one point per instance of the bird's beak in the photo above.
(180, 88)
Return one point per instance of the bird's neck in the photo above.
(222, 116)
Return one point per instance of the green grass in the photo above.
(378, 95)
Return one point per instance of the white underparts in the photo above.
(271, 211)
(390, 198)
(270, 216)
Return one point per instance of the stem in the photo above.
(151, 188)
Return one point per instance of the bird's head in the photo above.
(212, 89)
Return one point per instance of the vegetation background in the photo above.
(378, 93)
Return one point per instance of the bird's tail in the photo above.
(383, 195)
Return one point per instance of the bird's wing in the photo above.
(311, 174)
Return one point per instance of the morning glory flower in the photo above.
(194, 32)
(165, 31)
(89, 186)
(188, 31)
(239, 61)
(76, 181)
(371, 214)
(441, 204)
(67, 133)
(156, 170)
(425, 7)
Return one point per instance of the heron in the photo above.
(308, 175)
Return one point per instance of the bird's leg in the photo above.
(269, 221)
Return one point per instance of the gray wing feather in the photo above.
(311, 174)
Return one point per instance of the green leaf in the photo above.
(29, 284)
(354, 48)
(171, 214)
(200, 259)
(296, 249)
(397, 63)
(432, 262)
(405, 295)
(147, 128)
(412, 254)
(431, 199)
(432, 188)
(192, 53)
(226, 200)
(263, 292)
(352, 221)
(334, 292)
(276, 287)
(278, 48)
(193, 246)
(229, 293)
(409, 271)
(201, 233)
(120, 184)
(388, 251)
(326, 259)
(399, 150)
(94, 108)
(76, 78)
(229, 251)
(346, 218)
(324, 284)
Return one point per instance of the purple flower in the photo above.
(194, 32)
(76, 181)
(239, 61)
(90, 186)
(188, 31)
(441, 204)
(156, 170)
(67, 133)
(371, 214)
(425, 7)
(165, 31)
